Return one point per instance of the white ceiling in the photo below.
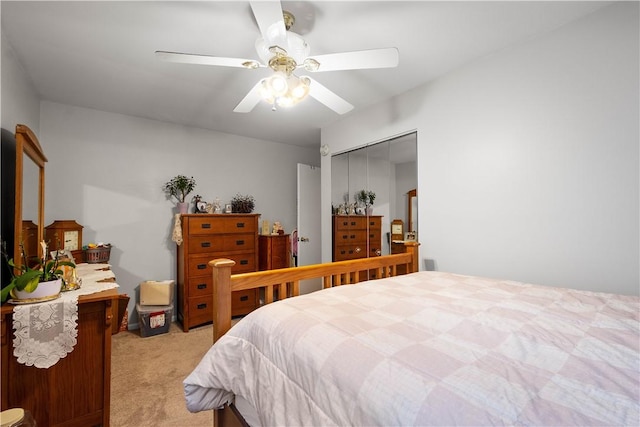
(101, 54)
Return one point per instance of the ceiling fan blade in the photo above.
(190, 58)
(328, 98)
(269, 17)
(250, 100)
(357, 60)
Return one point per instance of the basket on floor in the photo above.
(97, 255)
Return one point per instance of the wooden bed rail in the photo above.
(286, 281)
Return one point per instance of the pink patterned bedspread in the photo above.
(431, 348)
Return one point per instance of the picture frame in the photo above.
(410, 236)
(227, 208)
(62, 254)
(201, 206)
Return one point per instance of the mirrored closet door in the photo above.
(373, 188)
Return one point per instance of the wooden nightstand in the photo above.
(274, 251)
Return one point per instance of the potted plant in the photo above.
(242, 204)
(362, 197)
(372, 198)
(179, 187)
(367, 198)
(42, 281)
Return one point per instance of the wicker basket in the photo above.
(97, 255)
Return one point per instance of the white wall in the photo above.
(20, 102)
(106, 171)
(527, 159)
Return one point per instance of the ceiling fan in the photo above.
(285, 52)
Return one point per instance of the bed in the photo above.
(424, 348)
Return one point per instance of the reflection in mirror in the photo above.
(30, 197)
(388, 169)
(412, 211)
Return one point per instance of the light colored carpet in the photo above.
(147, 375)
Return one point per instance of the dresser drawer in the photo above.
(200, 286)
(221, 224)
(351, 237)
(375, 237)
(356, 222)
(374, 222)
(200, 310)
(347, 252)
(198, 265)
(349, 223)
(222, 243)
(243, 302)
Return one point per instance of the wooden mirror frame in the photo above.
(27, 143)
(410, 195)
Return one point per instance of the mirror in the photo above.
(29, 195)
(388, 169)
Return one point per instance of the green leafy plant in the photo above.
(372, 197)
(179, 187)
(366, 197)
(25, 278)
(242, 204)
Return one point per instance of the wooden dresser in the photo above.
(274, 251)
(356, 236)
(76, 391)
(206, 237)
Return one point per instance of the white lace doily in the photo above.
(46, 332)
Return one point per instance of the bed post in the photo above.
(412, 248)
(221, 296)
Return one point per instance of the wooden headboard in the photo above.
(286, 281)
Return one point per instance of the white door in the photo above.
(309, 244)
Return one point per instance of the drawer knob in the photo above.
(239, 242)
(358, 250)
(244, 261)
(202, 286)
(244, 298)
(202, 306)
(202, 266)
(205, 244)
(240, 224)
(206, 225)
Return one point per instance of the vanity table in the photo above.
(72, 386)
(76, 391)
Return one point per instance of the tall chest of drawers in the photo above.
(207, 237)
(356, 236)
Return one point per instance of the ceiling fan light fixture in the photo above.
(265, 93)
(298, 90)
(301, 89)
(284, 91)
(278, 84)
(252, 65)
(311, 65)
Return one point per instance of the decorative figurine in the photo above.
(277, 228)
(217, 206)
(201, 206)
